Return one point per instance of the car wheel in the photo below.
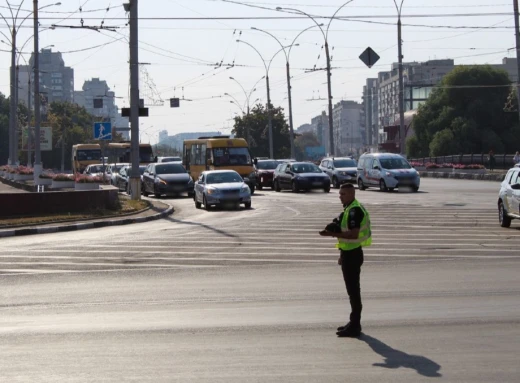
(252, 188)
(336, 183)
(503, 218)
(205, 203)
(156, 193)
(382, 186)
(391, 189)
(326, 189)
(276, 186)
(415, 189)
(143, 189)
(247, 205)
(197, 203)
(259, 186)
(294, 187)
(361, 185)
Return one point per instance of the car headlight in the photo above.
(343, 173)
(388, 174)
(245, 189)
(212, 191)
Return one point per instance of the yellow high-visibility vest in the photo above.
(365, 233)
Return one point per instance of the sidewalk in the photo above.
(4, 188)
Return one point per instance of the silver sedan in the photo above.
(221, 188)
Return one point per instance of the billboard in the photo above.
(45, 138)
(315, 152)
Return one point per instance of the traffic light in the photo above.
(174, 102)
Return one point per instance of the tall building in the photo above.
(56, 79)
(99, 101)
(320, 125)
(348, 133)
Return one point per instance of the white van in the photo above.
(386, 171)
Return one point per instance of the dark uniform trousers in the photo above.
(351, 262)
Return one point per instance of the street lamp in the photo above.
(287, 56)
(402, 133)
(269, 117)
(325, 36)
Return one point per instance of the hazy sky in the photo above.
(183, 40)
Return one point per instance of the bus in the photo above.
(120, 152)
(219, 153)
(84, 155)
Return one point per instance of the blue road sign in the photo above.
(102, 131)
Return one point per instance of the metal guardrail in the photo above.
(502, 161)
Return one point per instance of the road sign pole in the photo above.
(135, 178)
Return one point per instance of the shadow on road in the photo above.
(221, 232)
(396, 358)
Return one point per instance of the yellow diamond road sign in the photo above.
(369, 57)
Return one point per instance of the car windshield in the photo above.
(96, 169)
(89, 155)
(394, 163)
(305, 168)
(219, 178)
(171, 159)
(170, 169)
(345, 164)
(267, 165)
(231, 156)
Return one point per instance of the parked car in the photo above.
(113, 170)
(97, 170)
(386, 171)
(168, 159)
(264, 170)
(166, 178)
(509, 198)
(123, 177)
(221, 188)
(340, 170)
(300, 176)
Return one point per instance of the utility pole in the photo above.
(269, 117)
(29, 118)
(135, 178)
(517, 34)
(12, 98)
(329, 87)
(16, 134)
(37, 116)
(402, 133)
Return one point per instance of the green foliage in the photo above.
(466, 115)
(257, 124)
(4, 126)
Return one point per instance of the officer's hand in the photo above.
(339, 261)
(324, 233)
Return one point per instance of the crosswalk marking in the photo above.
(274, 234)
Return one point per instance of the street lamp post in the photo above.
(402, 133)
(269, 116)
(288, 72)
(247, 105)
(327, 53)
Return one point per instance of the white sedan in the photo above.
(221, 188)
(509, 198)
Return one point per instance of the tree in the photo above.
(466, 115)
(257, 123)
(4, 126)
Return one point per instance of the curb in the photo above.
(464, 176)
(85, 225)
(18, 185)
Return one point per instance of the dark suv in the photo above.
(340, 170)
(264, 170)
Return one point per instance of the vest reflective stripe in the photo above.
(365, 232)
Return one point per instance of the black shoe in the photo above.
(341, 328)
(350, 332)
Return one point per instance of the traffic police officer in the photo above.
(352, 228)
